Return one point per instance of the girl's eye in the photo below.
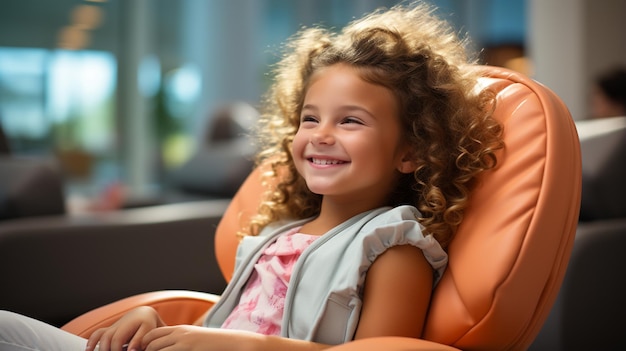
(308, 119)
(352, 120)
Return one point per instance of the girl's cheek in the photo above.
(297, 146)
(301, 137)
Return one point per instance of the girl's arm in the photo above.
(397, 294)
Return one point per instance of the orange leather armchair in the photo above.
(509, 255)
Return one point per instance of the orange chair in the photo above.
(509, 255)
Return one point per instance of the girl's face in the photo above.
(348, 145)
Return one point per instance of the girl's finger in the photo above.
(135, 343)
(92, 342)
(153, 335)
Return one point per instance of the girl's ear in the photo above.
(407, 164)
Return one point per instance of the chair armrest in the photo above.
(392, 343)
(174, 307)
(185, 307)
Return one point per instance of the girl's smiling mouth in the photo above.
(325, 161)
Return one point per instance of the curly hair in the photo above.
(445, 120)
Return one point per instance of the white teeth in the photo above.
(325, 162)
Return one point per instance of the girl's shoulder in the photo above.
(400, 213)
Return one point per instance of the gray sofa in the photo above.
(589, 311)
(23, 181)
(55, 268)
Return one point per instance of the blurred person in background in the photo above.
(608, 96)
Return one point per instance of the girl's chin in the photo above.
(319, 189)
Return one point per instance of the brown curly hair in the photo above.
(416, 55)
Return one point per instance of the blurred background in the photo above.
(123, 93)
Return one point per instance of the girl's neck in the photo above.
(334, 213)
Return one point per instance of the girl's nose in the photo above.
(322, 136)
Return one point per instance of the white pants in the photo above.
(20, 333)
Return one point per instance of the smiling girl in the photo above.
(374, 137)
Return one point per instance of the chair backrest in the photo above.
(509, 255)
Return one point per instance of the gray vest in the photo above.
(324, 296)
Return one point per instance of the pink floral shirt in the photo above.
(262, 302)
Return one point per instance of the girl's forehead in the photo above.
(340, 69)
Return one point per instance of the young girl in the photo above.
(374, 137)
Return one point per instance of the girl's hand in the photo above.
(130, 329)
(195, 338)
